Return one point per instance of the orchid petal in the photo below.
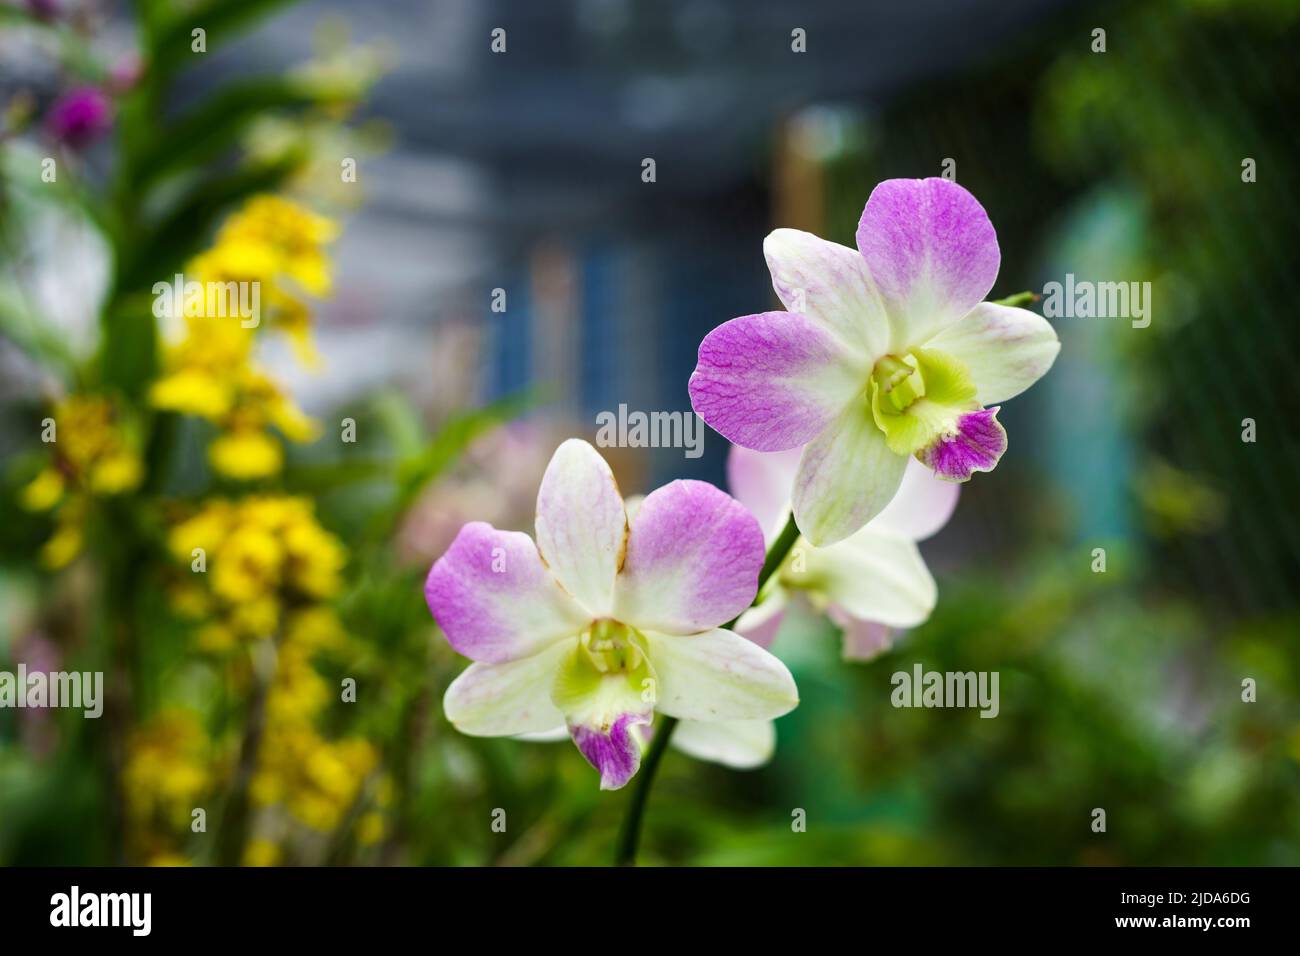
(581, 524)
(719, 675)
(494, 598)
(603, 708)
(693, 558)
(829, 284)
(977, 444)
(762, 482)
(847, 475)
(932, 253)
(501, 700)
(762, 623)
(742, 744)
(863, 640)
(921, 506)
(1005, 349)
(871, 576)
(772, 381)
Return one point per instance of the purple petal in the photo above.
(932, 252)
(495, 599)
(615, 752)
(693, 557)
(772, 381)
(80, 116)
(977, 446)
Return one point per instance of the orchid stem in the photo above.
(1019, 299)
(629, 835)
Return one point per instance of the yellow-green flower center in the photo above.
(612, 647)
(899, 380)
(918, 397)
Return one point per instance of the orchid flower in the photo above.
(606, 620)
(886, 351)
(870, 583)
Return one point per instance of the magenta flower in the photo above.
(887, 351)
(871, 583)
(603, 621)
(80, 116)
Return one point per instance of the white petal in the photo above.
(581, 524)
(762, 481)
(921, 506)
(863, 640)
(552, 736)
(1005, 349)
(733, 743)
(830, 284)
(762, 623)
(719, 675)
(846, 477)
(874, 577)
(502, 700)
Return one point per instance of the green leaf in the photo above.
(187, 226)
(215, 126)
(221, 20)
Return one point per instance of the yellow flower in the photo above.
(296, 236)
(210, 371)
(167, 770)
(64, 545)
(93, 450)
(263, 555)
(206, 530)
(193, 391)
(116, 472)
(246, 454)
(44, 492)
(247, 565)
(370, 828)
(262, 852)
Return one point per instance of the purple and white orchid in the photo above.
(887, 351)
(606, 620)
(869, 584)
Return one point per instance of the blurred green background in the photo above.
(1120, 690)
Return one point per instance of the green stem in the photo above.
(1019, 299)
(629, 835)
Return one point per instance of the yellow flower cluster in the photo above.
(317, 780)
(167, 773)
(262, 556)
(268, 567)
(94, 456)
(277, 247)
